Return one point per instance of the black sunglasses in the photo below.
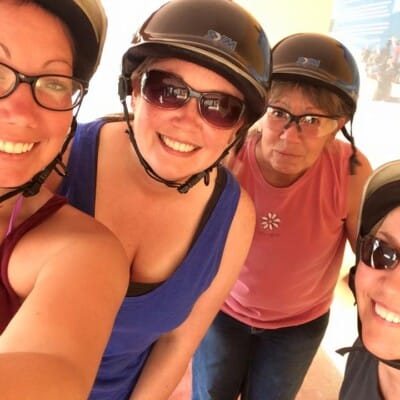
(166, 90)
(378, 254)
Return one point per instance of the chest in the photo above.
(156, 234)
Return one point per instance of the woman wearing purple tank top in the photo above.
(196, 75)
(58, 295)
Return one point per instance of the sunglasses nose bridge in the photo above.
(197, 96)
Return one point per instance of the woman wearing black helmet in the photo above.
(372, 370)
(54, 325)
(197, 73)
(306, 186)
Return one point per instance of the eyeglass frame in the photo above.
(31, 80)
(192, 93)
(296, 118)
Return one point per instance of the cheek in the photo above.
(58, 126)
(314, 149)
(364, 283)
(268, 139)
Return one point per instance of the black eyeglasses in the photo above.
(378, 254)
(166, 90)
(280, 119)
(51, 91)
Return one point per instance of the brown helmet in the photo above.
(217, 34)
(87, 24)
(320, 59)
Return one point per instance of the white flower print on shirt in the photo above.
(270, 221)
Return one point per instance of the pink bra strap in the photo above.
(14, 214)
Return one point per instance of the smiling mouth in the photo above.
(177, 146)
(387, 315)
(15, 147)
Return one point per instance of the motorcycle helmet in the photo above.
(217, 34)
(87, 24)
(319, 59)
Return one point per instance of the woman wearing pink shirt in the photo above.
(306, 185)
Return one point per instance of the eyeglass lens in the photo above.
(308, 124)
(166, 90)
(54, 92)
(378, 254)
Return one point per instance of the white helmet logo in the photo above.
(222, 40)
(308, 62)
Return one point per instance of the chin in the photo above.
(382, 346)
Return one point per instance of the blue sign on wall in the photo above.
(366, 23)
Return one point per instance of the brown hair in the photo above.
(320, 96)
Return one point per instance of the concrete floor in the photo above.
(325, 374)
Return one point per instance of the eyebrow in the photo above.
(310, 110)
(388, 237)
(5, 49)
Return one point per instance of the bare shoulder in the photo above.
(246, 210)
(70, 239)
(112, 127)
(240, 235)
(86, 235)
(73, 274)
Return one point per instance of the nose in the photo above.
(291, 132)
(19, 106)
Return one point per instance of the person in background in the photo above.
(373, 365)
(63, 275)
(306, 185)
(197, 74)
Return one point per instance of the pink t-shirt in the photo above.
(291, 271)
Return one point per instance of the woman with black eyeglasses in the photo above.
(197, 75)
(372, 369)
(306, 185)
(63, 275)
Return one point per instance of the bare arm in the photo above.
(356, 185)
(173, 351)
(52, 347)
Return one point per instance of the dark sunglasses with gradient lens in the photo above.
(378, 254)
(166, 90)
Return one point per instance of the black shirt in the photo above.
(360, 380)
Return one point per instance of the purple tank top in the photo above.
(143, 319)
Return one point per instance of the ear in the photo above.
(341, 122)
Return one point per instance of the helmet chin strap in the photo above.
(353, 161)
(190, 182)
(33, 186)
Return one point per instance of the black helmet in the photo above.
(217, 34)
(87, 23)
(320, 59)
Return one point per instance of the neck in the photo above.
(389, 381)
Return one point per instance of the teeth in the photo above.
(387, 315)
(177, 146)
(15, 148)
